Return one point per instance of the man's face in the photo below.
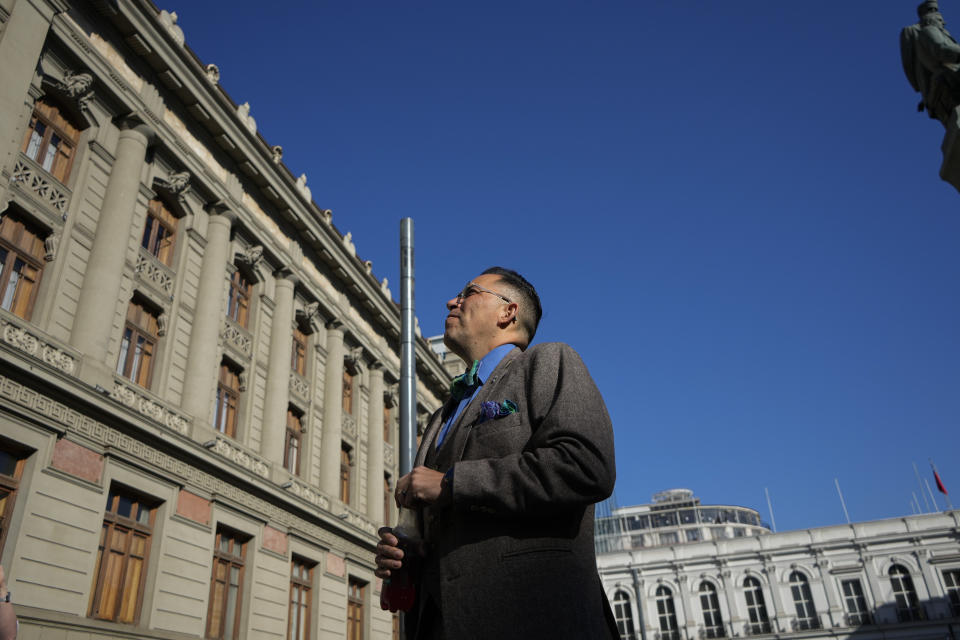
(471, 323)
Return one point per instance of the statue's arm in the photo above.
(940, 45)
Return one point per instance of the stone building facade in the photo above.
(890, 579)
(198, 414)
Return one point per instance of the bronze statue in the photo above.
(931, 60)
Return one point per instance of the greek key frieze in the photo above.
(306, 493)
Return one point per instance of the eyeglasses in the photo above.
(473, 288)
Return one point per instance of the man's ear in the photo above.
(508, 313)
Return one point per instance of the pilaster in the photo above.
(330, 442)
(375, 446)
(278, 372)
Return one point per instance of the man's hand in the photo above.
(421, 486)
(389, 554)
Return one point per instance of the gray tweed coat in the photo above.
(513, 555)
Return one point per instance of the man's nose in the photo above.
(453, 303)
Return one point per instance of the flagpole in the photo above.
(920, 484)
(936, 507)
(916, 502)
(842, 502)
(773, 521)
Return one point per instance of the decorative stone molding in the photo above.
(348, 243)
(326, 215)
(349, 425)
(213, 73)
(169, 20)
(360, 522)
(150, 270)
(24, 340)
(137, 400)
(276, 153)
(309, 316)
(75, 84)
(176, 182)
(353, 360)
(50, 247)
(243, 111)
(390, 398)
(250, 257)
(193, 477)
(368, 266)
(303, 188)
(38, 182)
(299, 386)
(163, 323)
(388, 456)
(242, 379)
(233, 335)
(245, 459)
(386, 289)
(306, 493)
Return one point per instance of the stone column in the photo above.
(331, 442)
(21, 43)
(728, 584)
(273, 430)
(834, 600)
(201, 374)
(778, 620)
(93, 326)
(375, 446)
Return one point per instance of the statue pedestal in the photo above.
(950, 169)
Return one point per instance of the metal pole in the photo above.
(408, 361)
(936, 507)
(773, 522)
(842, 503)
(920, 484)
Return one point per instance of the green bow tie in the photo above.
(465, 383)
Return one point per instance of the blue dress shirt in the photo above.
(488, 363)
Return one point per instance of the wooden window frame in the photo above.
(227, 410)
(54, 123)
(356, 596)
(301, 599)
(142, 324)
(10, 486)
(231, 560)
(346, 460)
(131, 527)
(238, 298)
(348, 391)
(160, 219)
(387, 423)
(20, 241)
(298, 357)
(293, 441)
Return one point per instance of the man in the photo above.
(505, 481)
(931, 60)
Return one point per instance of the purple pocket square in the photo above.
(491, 410)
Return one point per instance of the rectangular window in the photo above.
(951, 579)
(855, 603)
(344, 474)
(21, 263)
(159, 233)
(226, 585)
(301, 586)
(50, 141)
(138, 344)
(238, 300)
(355, 594)
(228, 397)
(347, 391)
(12, 460)
(291, 449)
(694, 535)
(122, 557)
(299, 357)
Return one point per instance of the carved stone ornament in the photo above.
(327, 215)
(177, 181)
(276, 152)
(929, 53)
(50, 247)
(390, 398)
(169, 20)
(303, 188)
(75, 84)
(309, 315)
(348, 243)
(353, 359)
(385, 288)
(368, 266)
(251, 256)
(213, 73)
(244, 112)
(242, 381)
(163, 320)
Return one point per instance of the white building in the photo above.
(896, 578)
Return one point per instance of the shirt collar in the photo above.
(490, 361)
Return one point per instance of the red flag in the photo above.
(936, 477)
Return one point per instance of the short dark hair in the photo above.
(530, 309)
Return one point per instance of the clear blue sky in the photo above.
(730, 209)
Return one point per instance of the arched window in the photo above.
(710, 604)
(756, 607)
(667, 614)
(803, 601)
(623, 615)
(908, 606)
